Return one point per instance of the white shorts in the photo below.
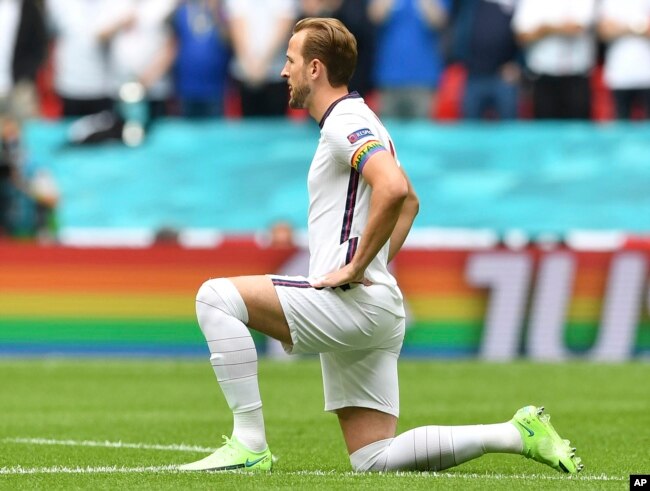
(358, 342)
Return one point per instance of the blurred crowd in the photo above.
(497, 59)
(118, 65)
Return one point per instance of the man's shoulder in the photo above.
(347, 115)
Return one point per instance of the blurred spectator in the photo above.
(128, 48)
(9, 168)
(142, 50)
(23, 42)
(354, 14)
(483, 42)
(312, 8)
(44, 193)
(166, 236)
(80, 65)
(625, 27)
(281, 235)
(201, 68)
(560, 49)
(139, 45)
(409, 61)
(27, 203)
(260, 31)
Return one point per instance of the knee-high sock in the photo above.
(434, 448)
(222, 315)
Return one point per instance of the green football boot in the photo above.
(233, 456)
(542, 443)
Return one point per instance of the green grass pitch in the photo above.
(121, 424)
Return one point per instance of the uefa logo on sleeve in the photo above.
(359, 134)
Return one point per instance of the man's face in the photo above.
(295, 71)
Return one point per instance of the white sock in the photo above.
(248, 428)
(222, 315)
(435, 448)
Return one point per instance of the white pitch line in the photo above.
(525, 477)
(19, 470)
(86, 470)
(193, 448)
(106, 444)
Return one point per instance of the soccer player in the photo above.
(349, 309)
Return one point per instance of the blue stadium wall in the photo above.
(229, 180)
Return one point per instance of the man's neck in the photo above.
(324, 99)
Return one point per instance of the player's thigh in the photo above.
(265, 313)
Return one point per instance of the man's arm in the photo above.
(568, 29)
(410, 209)
(434, 13)
(161, 63)
(378, 10)
(609, 29)
(390, 189)
(528, 26)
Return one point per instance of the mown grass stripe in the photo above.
(410, 475)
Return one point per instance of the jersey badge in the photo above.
(359, 134)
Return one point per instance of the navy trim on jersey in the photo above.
(352, 249)
(291, 283)
(351, 95)
(350, 203)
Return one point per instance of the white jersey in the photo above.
(627, 59)
(339, 196)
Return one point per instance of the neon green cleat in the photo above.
(542, 443)
(233, 456)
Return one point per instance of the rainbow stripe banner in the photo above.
(495, 303)
(60, 299)
(456, 298)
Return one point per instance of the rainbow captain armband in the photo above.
(364, 152)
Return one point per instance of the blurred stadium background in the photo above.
(532, 244)
(532, 240)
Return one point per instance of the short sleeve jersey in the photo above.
(339, 196)
(558, 55)
(627, 60)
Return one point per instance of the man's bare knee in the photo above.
(362, 426)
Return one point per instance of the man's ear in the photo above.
(315, 67)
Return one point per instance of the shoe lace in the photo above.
(228, 445)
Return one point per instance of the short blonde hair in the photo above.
(329, 41)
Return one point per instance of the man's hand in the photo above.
(346, 275)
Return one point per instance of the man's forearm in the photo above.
(405, 221)
(610, 30)
(410, 209)
(385, 211)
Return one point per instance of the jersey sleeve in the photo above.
(525, 18)
(352, 141)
